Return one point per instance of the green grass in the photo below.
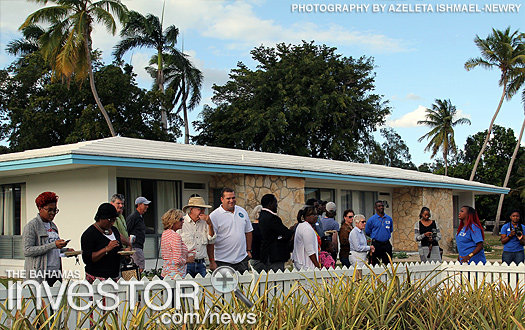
(4, 280)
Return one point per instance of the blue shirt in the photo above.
(357, 241)
(379, 228)
(329, 224)
(514, 244)
(467, 241)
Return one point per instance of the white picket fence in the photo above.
(280, 283)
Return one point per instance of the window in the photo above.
(362, 202)
(163, 195)
(12, 199)
(319, 193)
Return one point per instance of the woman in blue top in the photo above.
(513, 239)
(470, 236)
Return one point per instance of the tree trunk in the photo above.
(489, 131)
(93, 88)
(446, 165)
(160, 82)
(185, 110)
(507, 177)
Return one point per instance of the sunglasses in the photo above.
(363, 221)
(112, 219)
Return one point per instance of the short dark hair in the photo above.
(311, 201)
(267, 200)
(515, 211)
(345, 213)
(379, 201)
(225, 190)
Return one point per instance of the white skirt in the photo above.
(434, 256)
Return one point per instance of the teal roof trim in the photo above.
(224, 168)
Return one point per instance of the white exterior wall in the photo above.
(80, 193)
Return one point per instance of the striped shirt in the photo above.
(174, 254)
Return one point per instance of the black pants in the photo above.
(381, 253)
(241, 266)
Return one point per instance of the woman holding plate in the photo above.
(100, 245)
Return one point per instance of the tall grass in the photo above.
(378, 301)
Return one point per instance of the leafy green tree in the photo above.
(67, 43)
(301, 100)
(37, 112)
(146, 31)
(509, 169)
(442, 119)
(393, 152)
(184, 80)
(504, 50)
(499, 151)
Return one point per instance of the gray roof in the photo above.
(156, 153)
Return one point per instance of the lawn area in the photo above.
(494, 242)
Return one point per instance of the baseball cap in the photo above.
(331, 207)
(142, 200)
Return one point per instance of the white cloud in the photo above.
(412, 97)
(409, 119)
(238, 23)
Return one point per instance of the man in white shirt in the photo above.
(198, 235)
(234, 233)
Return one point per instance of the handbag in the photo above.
(130, 270)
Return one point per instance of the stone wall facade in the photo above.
(250, 188)
(406, 205)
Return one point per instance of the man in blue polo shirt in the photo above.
(379, 228)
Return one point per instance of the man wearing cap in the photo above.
(197, 233)
(136, 226)
(380, 227)
(330, 226)
(328, 221)
(233, 245)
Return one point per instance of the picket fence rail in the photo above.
(280, 283)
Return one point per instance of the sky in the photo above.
(419, 48)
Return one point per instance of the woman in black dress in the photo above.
(427, 235)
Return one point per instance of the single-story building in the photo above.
(86, 174)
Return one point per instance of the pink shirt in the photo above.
(174, 253)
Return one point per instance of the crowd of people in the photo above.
(227, 237)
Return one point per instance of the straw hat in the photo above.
(195, 202)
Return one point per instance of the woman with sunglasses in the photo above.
(42, 244)
(358, 243)
(346, 227)
(174, 252)
(100, 245)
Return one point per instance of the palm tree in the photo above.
(28, 44)
(442, 120)
(503, 50)
(185, 80)
(146, 31)
(509, 170)
(67, 44)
